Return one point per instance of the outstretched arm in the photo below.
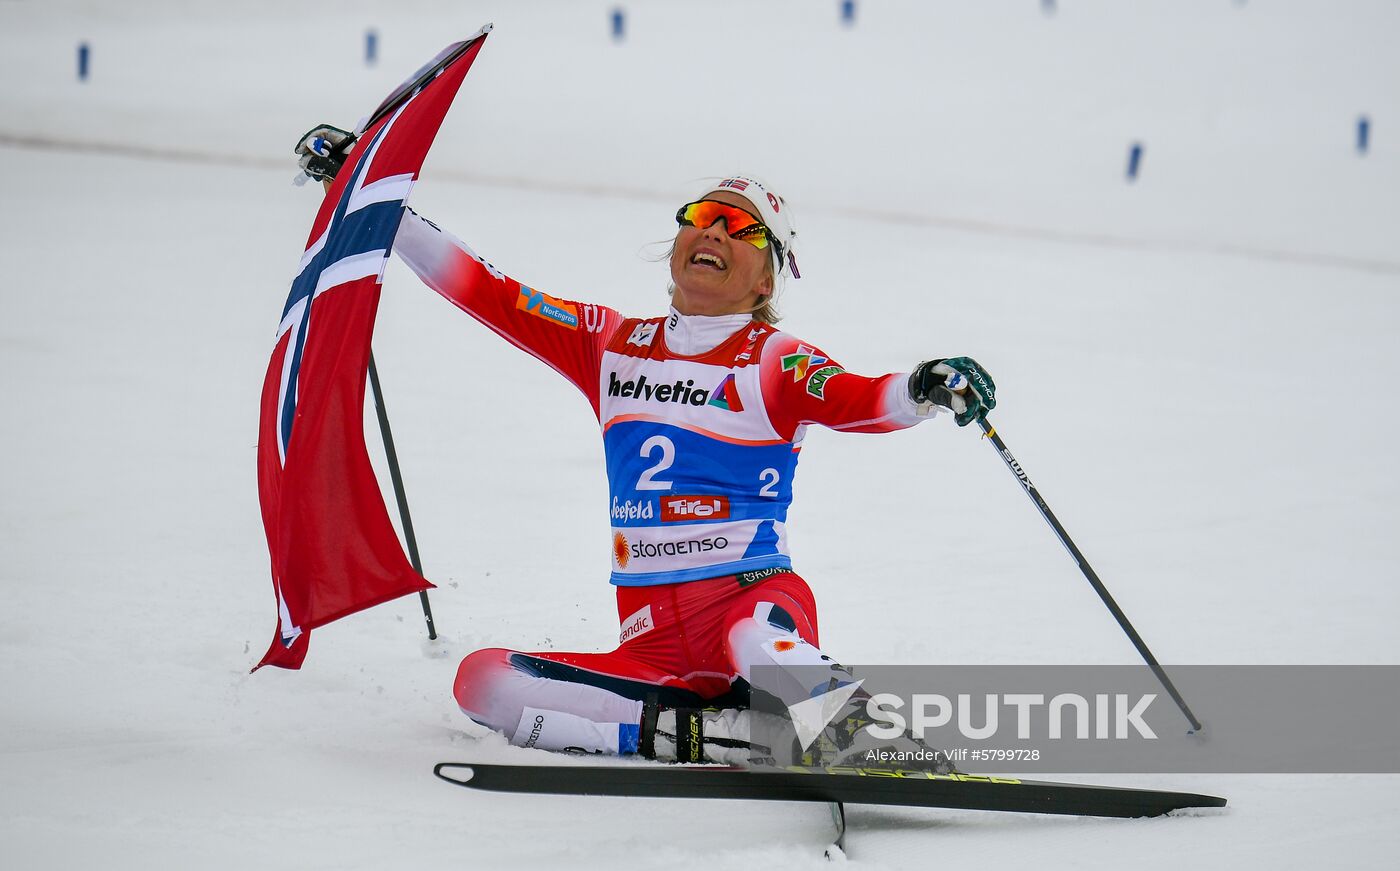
(569, 336)
(807, 386)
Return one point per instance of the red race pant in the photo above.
(686, 644)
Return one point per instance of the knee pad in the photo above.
(477, 688)
(769, 638)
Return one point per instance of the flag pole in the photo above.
(399, 494)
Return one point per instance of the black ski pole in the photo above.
(399, 493)
(1088, 571)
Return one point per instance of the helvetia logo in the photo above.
(726, 395)
(681, 392)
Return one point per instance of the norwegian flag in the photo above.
(334, 549)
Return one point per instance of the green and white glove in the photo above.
(959, 384)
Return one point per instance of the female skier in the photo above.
(703, 413)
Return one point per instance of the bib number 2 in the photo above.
(769, 477)
(648, 481)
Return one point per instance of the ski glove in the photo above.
(958, 384)
(321, 151)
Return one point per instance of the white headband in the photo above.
(772, 210)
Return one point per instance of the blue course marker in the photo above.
(83, 58)
(1363, 134)
(619, 24)
(371, 47)
(848, 12)
(1134, 160)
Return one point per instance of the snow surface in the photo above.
(1195, 368)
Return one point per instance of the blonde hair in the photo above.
(766, 312)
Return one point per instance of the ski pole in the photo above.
(990, 432)
(399, 493)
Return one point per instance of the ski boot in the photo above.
(846, 742)
(700, 735)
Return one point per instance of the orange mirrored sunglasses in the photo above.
(738, 223)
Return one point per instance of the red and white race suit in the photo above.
(702, 421)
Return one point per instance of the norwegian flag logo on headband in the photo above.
(769, 208)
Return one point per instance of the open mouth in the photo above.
(708, 261)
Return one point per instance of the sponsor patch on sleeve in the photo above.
(801, 362)
(816, 382)
(542, 305)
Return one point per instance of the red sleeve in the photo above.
(569, 336)
(802, 385)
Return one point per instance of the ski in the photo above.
(845, 784)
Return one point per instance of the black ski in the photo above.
(845, 784)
